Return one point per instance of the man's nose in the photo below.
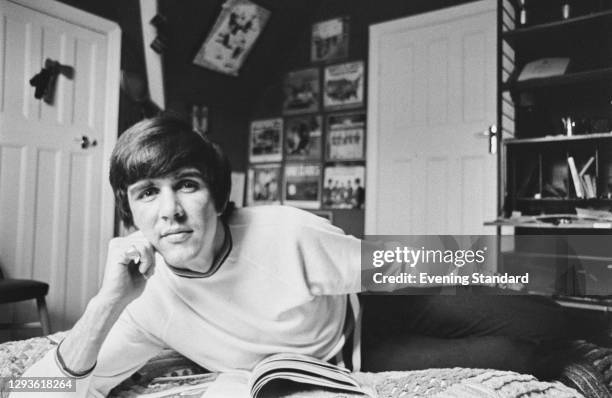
(170, 207)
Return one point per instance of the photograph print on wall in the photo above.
(303, 137)
(343, 187)
(232, 37)
(264, 184)
(345, 136)
(266, 140)
(302, 185)
(343, 85)
(329, 40)
(302, 91)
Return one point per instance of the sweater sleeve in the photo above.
(331, 259)
(48, 366)
(126, 348)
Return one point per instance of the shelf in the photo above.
(582, 257)
(574, 200)
(601, 303)
(556, 138)
(562, 80)
(552, 27)
(531, 222)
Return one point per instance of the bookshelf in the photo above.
(546, 172)
(544, 168)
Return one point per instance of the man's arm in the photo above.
(130, 262)
(127, 347)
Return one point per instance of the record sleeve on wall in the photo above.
(264, 184)
(303, 135)
(232, 37)
(329, 40)
(266, 138)
(302, 91)
(302, 186)
(343, 85)
(346, 136)
(343, 187)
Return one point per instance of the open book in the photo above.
(277, 375)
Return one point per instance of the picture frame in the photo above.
(329, 40)
(346, 136)
(264, 184)
(343, 186)
(199, 119)
(326, 214)
(302, 91)
(302, 185)
(303, 137)
(232, 37)
(266, 140)
(343, 85)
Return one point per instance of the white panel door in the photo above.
(432, 82)
(54, 206)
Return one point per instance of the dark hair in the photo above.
(161, 145)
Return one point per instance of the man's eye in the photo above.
(147, 194)
(188, 186)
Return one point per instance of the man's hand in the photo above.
(130, 261)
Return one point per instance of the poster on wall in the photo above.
(264, 184)
(237, 192)
(343, 85)
(329, 40)
(344, 187)
(303, 138)
(302, 185)
(232, 36)
(346, 136)
(301, 91)
(266, 138)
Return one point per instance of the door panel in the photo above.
(432, 89)
(51, 193)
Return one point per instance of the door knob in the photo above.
(493, 139)
(85, 141)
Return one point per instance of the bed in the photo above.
(17, 356)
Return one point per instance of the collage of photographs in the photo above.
(313, 156)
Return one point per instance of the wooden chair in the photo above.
(15, 290)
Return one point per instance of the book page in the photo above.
(229, 385)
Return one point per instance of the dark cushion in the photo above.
(12, 290)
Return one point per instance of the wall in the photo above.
(257, 93)
(228, 98)
(362, 14)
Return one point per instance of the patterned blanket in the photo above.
(17, 356)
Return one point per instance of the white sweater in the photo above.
(281, 289)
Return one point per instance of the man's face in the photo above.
(176, 213)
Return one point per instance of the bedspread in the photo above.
(17, 356)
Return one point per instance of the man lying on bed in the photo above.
(227, 289)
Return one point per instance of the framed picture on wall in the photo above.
(266, 139)
(344, 187)
(302, 185)
(232, 37)
(346, 136)
(264, 184)
(303, 135)
(343, 85)
(326, 214)
(329, 40)
(302, 91)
